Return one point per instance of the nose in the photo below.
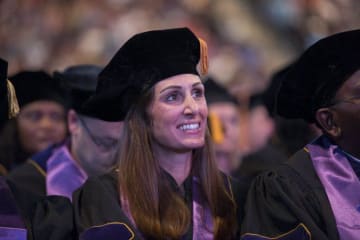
(46, 122)
(191, 106)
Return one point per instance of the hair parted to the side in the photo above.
(158, 211)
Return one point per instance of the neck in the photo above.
(178, 165)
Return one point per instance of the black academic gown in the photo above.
(43, 218)
(98, 213)
(289, 202)
(31, 175)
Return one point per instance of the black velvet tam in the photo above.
(214, 93)
(142, 61)
(269, 95)
(33, 86)
(313, 80)
(80, 81)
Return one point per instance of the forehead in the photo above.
(351, 85)
(101, 127)
(223, 107)
(42, 106)
(182, 80)
(100, 124)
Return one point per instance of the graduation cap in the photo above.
(313, 80)
(215, 92)
(139, 64)
(33, 86)
(268, 96)
(80, 81)
(8, 102)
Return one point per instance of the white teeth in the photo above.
(190, 126)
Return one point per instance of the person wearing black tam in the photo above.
(167, 185)
(315, 195)
(224, 125)
(89, 150)
(24, 215)
(41, 121)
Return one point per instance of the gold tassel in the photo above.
(216, 128)
(204, 62)
(13, 103)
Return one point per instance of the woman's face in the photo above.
(40, 124)
(178, 113)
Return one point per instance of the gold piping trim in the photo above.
(281, 235)
(306, 149)
(113, 223)
(37, 167)
(230, 188)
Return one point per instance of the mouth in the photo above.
(189, 126)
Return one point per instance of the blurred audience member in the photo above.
(224, 125)
(24, 215)
(41, 121)
(273, 138)
(92, 144)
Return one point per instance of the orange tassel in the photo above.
(204, 62)
(216, 128)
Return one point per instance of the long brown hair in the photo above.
(158, 211)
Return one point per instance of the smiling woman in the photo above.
(178, 113)
(167, 185)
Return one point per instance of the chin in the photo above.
(195, 145)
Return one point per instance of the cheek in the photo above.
(61, 129)
(163, 116)
(26, 130)
(349, 120)
(203, 108)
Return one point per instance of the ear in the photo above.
(73, 121)
(327, 120)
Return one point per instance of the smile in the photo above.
(190, 126)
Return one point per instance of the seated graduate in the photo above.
(24, 215)
(40, 122)
(167, 185)
(224, 125)
(90, 149)
(315, 195)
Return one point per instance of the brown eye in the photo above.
(172, 97)
(33, 116)
(198, 93)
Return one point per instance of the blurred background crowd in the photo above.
(248, 39)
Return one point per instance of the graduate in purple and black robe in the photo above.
(24, 215)
(167, 185)
(315, 195)
(90, 149)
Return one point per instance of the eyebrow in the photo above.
(178, 87)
